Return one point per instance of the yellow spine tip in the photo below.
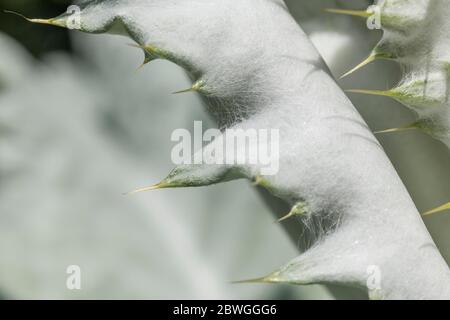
(145, 189)
(196, 87)
(135, 45)
(184, 91)
(52, 21)
(17, 14)
(146, 48)
(286, 217)
(445, 207)
(406, 128)
(356, 13)
(372, 92)
(267, 279)
(146, 61)
(368, 60)
(297, 210)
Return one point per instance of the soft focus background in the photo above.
(80, 125)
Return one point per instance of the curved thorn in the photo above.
(17, 14)
(385, 93)
(51, 21)
(145, 189)
(138, 46)
(408, 127)
(368, 60)
(297, 210)
(185, 91)
(266, 279)
(146, 48)
(445, 207)
(288, 216)
(356, 13)
(196, 87)
(146, 61)
(151, 50)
